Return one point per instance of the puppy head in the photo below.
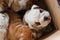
(37, 18)
(4, 18)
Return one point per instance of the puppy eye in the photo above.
(38, 23)
(41, 11)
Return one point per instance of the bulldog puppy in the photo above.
(4, 22)
(18, 31)
(37, 18)
(17, 5)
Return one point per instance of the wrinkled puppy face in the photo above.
(1, 5)
(4, 21)
(37, 18)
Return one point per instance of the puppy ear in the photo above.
(34, 6)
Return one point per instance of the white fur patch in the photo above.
(4, 21)
(22, 3)
(3, 30)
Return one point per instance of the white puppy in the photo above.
(37, 18)
(4, 21)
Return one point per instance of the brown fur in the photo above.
(15, 6)
(41, 3)
(15, 31)
(1, 5)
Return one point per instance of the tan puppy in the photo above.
(16, 30)
(19, 4)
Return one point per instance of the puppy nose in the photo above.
(46, 18)
(38, 23)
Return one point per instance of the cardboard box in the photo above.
(55, 13)
(54, 36)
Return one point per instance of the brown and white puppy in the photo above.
(4, 22)
(16, 30)
(17, 5)
(37, 18)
